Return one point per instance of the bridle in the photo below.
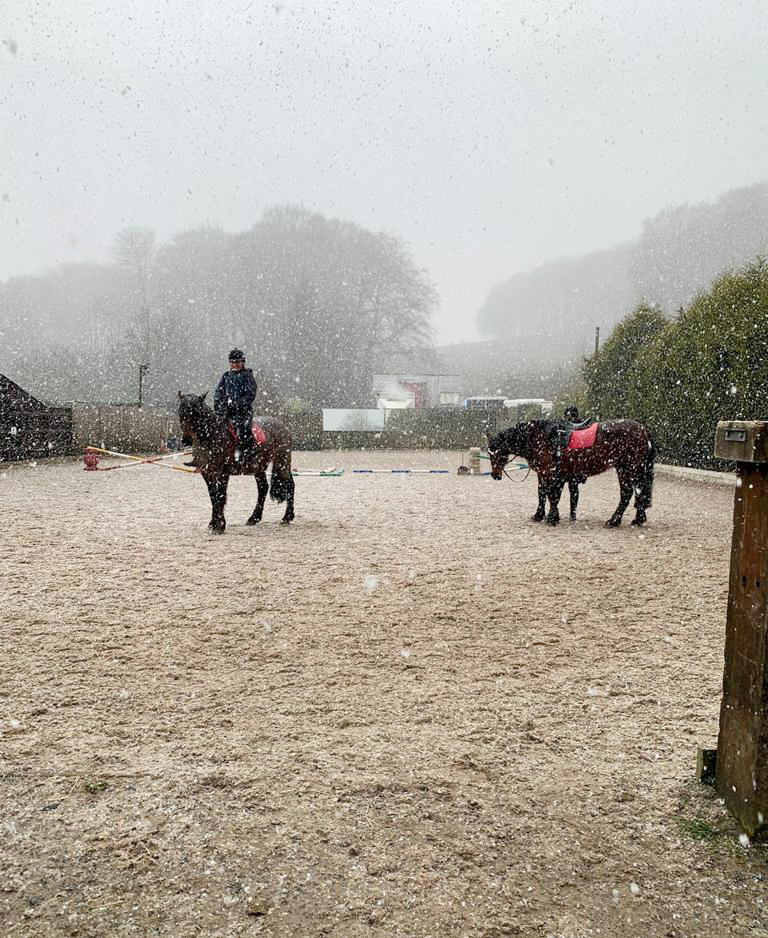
(512, 478)
(504, 468)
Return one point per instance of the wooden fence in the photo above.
(126, 428)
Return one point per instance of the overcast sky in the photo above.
(488, 135)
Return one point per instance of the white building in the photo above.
(393, 392)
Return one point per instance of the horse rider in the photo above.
(234, 398)
(570, 418)
(562, 427)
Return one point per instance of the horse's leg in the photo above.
(625, 490)
(290, 486)
(573, 490)
(554, 490)
(644, 484)
(640, 516)
(263, 485)
(217, 490)
(542, 507)
(282, 485)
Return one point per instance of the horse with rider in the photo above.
(227, 441)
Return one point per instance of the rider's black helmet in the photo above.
(572, 414)
(236, 355)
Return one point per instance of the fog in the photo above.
(489, 136)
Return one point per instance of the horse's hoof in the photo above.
(537, 518)
(637, 522)
(251, 521)
(613, 523)
(572, 518)
(553, 522)
(286, 520)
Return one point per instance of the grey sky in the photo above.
(489, 135)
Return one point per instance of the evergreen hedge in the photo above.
(680, 377)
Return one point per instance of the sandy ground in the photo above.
(411, 713)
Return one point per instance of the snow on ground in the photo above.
(411, 713)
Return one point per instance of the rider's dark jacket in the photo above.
(234, 396)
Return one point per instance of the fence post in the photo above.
(741, 770)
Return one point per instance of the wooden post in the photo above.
(143, 369)
(741, 773)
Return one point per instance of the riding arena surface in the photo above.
(413, 712)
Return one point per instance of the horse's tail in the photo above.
(645, 478)
(281, 482)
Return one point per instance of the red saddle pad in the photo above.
(583, 439)
(257, 431)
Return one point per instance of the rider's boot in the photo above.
(245, 442)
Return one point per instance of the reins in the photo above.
(512, 478)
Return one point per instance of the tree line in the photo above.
(681, 376)
(552, 310)
(317, 304)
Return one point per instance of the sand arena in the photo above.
(412, 713)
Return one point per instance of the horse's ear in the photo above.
(203, 397)
(180, 395)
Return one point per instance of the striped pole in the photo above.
(401, 471)
(323, 473)
(139, 460)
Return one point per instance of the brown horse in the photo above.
(215, 453)
(622, 445)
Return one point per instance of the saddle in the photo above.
(244, 451)
(257, 433)
(581, 436)
(581, 426)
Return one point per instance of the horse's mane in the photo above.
(206, 420)
(529, 427)
(539, 424)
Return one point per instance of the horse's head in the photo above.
(515, 441)
(192, 408)
(499, 452)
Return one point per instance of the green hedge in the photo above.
(680, 377)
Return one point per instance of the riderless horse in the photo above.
(623, 445)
